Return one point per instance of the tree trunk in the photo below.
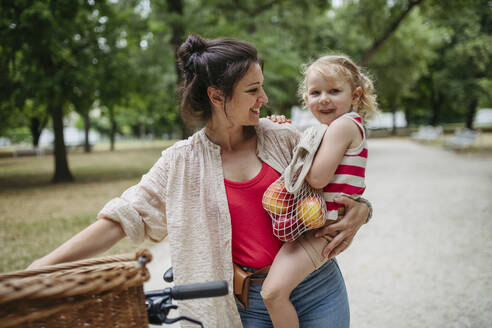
(141, 131)
(87, 126)
(177, 38)
(436, 103)
(62, 172)
(36, 127)
(408, 116)
(112, 135)
(393, 111)
(390, 31)
(472, 110)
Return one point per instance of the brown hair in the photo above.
(341, 64)
(220, 63)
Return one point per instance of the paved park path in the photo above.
(425, 260)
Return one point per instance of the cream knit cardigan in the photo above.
(183, 196)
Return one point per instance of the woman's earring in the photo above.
(355, 108)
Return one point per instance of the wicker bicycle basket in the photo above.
(101, 292)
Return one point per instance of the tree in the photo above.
(399, 11)
(43, 30)
(21, 103)
(43, 53)
(455, 80)
(470, 57)
(83, 86)
(402, 61)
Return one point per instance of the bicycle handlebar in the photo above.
(159, 302)
(200, 290)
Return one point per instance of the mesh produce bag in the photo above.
(293, 205)
(294, 213)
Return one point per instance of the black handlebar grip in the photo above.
(200, 290)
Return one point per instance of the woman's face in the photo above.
(329, 97)
(243, 109)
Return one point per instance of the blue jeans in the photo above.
(320, 300)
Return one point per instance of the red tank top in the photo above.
(253, 242)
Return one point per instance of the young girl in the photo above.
(339, 96)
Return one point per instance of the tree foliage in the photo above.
(468, 55)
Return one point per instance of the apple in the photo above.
(310, 213)
(276, 199)
(285, 227)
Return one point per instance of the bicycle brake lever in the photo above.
(173, 320)
(168, 307)
(158, 309)
(168, 276)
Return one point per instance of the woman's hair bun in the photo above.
(193, 44)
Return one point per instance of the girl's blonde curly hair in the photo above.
(336, 65)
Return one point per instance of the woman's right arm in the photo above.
(93, 240)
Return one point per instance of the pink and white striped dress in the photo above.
(349, 178)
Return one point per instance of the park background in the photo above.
(99, 79)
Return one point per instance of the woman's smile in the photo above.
(256, 111)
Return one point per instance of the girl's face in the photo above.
(330, 97)
(243, 109)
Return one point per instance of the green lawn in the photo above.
(37, 216)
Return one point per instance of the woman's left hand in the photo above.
(341, 232)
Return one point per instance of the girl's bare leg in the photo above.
(290, 267)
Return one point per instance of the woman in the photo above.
(191, 193)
